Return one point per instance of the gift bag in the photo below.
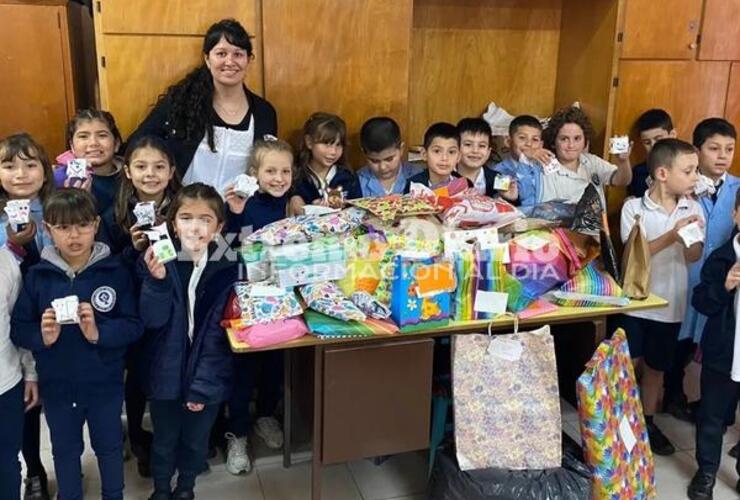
(420, 290)
(506, 401)
(615, 440)
(636, 264)
(590, 288)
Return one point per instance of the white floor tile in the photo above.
(400, 475)
(726, 478)
(295, 483)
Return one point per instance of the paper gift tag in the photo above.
(531, 242)
(245, 185)
(318, 210)
(65, 309)
(145, 213)
(619, 145)
(434, 279)
(77, 169)
(267, 291)
(162, 244)
(691, 233)
(704, 186)
(625, 432)
(551, 167)
(502, 183)
(506, 349)
(19, 211)
(490, 302)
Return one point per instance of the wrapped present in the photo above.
(254, 258)
(362, 275)
(326, 327)
(264, 335)
(262, 303)
(613, 431)
(388, 208)
(421, 290)
(590, 288)
(311, 262)
(473, 209)
(370, 305)
(308, 227)
(326, 297)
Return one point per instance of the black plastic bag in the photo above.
(590, 219)
(572, 481)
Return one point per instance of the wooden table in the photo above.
(398, 346)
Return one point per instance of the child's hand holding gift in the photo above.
(87, 323)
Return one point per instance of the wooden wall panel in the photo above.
(349, 58)
(148, 46)
(467, 53)
(720, 31)
(732, 108)
(661, 29)
(36, 83)
(587, 62)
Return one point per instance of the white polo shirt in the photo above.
(567, 185)
(669, 272)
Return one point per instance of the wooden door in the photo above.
(36, 81)
(720, 31)
(661, 29)
(732, 109)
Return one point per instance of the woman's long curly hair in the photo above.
(191, 99)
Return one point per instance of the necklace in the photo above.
(230, 112)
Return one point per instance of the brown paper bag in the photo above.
(636, 264)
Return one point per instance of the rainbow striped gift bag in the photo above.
(615, 440)
(590, 287)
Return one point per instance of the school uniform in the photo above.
(103, 187)
(189, 359)
(260, 210)
(81, 382)
(718, 214)
(720, 373)
(372, 187)
(528, 179)
(568, 186)
(423, 178)
(653, 334)
(16, 366)
(310, 187)
(639, 183)
(485, 182)
(30, 253)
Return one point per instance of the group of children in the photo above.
(159, 322)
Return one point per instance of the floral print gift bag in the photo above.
(506, 401)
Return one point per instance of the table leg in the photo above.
(599, 330)
(318, 421)
(287, 407)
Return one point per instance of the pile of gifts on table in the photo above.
(421, 260)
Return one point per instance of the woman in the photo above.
(210, 119)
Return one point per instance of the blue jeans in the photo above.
(180, 442)
(103, 417)
(11, 440)
(263, 370)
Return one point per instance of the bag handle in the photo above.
(504, 315)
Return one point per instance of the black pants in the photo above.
(263, 370)
(719, 396)
(32, 442)
(11, 430)
(180, 442)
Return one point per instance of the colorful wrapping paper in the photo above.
(274, 333)
(388, 208)
(407, 307)
(308, 227)
(325, 327)
(472, 209)
(590, 288)
(257, 310)
(327, 298)
(611, 418)
(371, 306)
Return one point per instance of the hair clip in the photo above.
(269, 138)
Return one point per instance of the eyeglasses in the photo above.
(80, 227)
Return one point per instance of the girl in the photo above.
(148, 176)
(92, 135)
(190, 370)
(26, 173)
(271, 163)
(80, 362)
(18, 387)
(320, 163)
(568, 135)
(210, 119)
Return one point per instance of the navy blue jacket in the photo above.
(712, 299)
(639, 185)
(260, 210)
(343, 178)
(423, 178)
(73, 369)
(197, 372)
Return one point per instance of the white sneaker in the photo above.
(237, 458)
(269, 430)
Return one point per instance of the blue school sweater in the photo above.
(260, 210)
(307, 185)
(528, 179)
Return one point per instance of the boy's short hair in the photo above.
(524, 121)
(562, 117)
(69, 206)
(380, 133)
(654, 118)
(712, 126)
(665, 151)
(475, 126)
(444, 130)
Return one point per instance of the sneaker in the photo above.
(679, 409)
(658, 442)
(734, 451)
(701, 486)
(183, 495)
(269, 430)
(237, 458)
(37, 488)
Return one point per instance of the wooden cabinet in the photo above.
(732, 108)
(39, 68)
(720, 31)
(661, 29)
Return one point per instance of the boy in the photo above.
(664, 209)
(716, 297)
(475, 150)
(385, 173)
(79, 356)
(525, 146)
(441, 152)
(652, 126)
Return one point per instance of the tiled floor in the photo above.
(401, 477)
